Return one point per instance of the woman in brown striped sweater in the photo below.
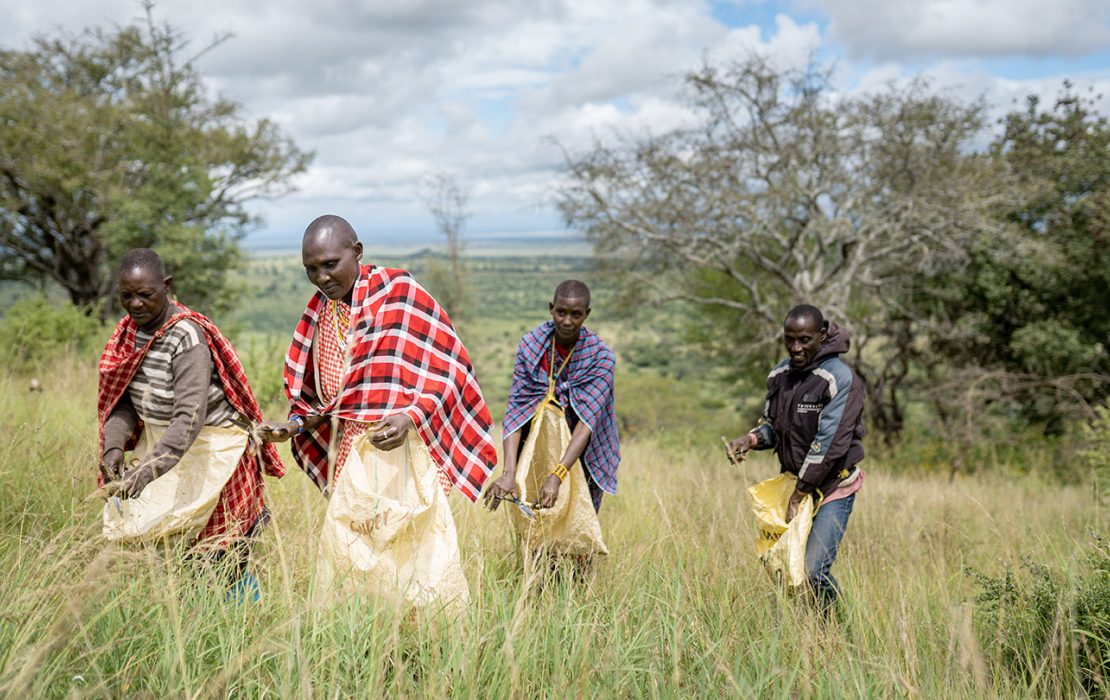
(172, 389)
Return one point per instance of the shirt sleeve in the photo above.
(120, 424)
(835, 425)
(192, 374)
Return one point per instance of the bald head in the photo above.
(329, 226)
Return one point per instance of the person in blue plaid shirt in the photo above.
(581, 366)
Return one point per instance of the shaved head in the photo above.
(143, 259)
(330, 225)
(331, 253)
(572, 289)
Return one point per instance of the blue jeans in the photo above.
(824, 539)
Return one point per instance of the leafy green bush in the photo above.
(1018, 618)
(1045, 634)
(1096, 453)
(1092, 623)
(36, 331)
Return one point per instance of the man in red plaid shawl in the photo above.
(172, 389)
(386, 416)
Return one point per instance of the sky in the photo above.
(492, 92)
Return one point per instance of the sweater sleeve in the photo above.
(192, 373)
(120, 424)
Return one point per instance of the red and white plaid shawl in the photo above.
(405, 357)
(240, 501)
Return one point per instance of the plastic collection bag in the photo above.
(179, 503)
(389, 530)
(780, 546)
(571, 525)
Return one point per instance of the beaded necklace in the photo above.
(552, 374)
(340, 335)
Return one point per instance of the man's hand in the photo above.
(795, 501)
(389, 433)
(111, 465)
(276, 431)
(739, 447)
(504, 486)
(549, 492)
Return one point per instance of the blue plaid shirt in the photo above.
(585, 386)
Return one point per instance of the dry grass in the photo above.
(680, 608)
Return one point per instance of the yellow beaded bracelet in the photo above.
(560, 471)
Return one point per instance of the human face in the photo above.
(144, 296)
(568, 313)
(331, 263)
(802, 338)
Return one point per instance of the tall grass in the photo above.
(680, 607)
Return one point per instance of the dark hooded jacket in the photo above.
(813, 417)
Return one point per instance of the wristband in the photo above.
(560, 471)
(299, 420)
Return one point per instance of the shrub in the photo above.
(1096, 452)
(1092, 623)
(1018, 615)
(36, 331)
(1045, 635)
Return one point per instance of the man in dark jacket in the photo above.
(813, 419)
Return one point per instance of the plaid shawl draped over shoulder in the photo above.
(240, 502)
(404, 357)
(586, 385)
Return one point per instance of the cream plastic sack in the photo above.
(781, 546)
(389, 531)
(571, 525)
(179, 503)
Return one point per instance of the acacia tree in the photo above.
(783, 192)
(108, 141)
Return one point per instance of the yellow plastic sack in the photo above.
(570, 526)
(179, 503)
(781, 546)
(389, 531)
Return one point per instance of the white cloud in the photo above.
(385, 92)
(899, 29)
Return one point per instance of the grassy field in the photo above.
(679, 609)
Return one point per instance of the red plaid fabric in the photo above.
(404, 357)
(330, 354)
(240, 501)
(330, 349)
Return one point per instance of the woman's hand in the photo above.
(504, 486)
(111, 465)
(549, 492)
(390, 432)
(132, 485)
(277, 431)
